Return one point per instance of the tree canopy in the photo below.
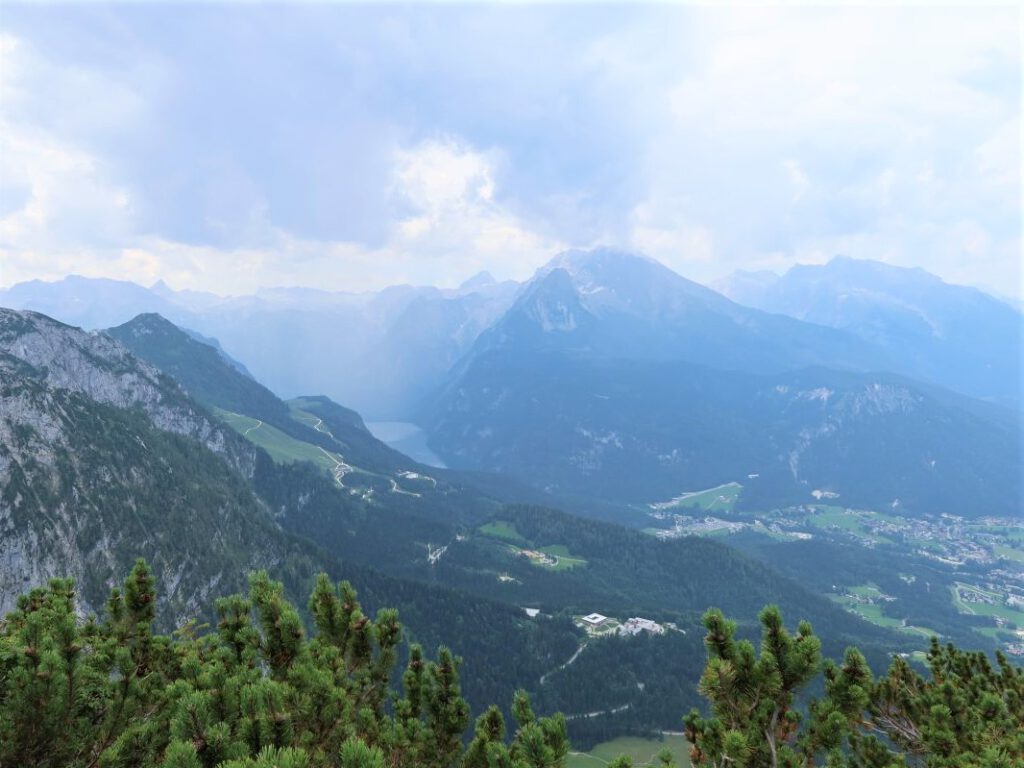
(257, 692)
(966, 713)
(261, 691)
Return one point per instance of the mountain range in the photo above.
(612, 375)
(401, 340)
(609, 378)
(956, 336)
(144, 441)
(383, 353)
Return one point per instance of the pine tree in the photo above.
(255, 693)
(968, 714)
(754, 721)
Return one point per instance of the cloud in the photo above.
(53, 190)
(878, 133)
(230, 147)
(452, 227)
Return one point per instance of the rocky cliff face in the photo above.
(103, 370)
(104, 459)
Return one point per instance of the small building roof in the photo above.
(595, 618)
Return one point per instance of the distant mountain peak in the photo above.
(479, 280)
(167, 335)
(553, 301)
(624, 281)
(950, 334)
(849, 267)
(599, 259)
(150, 321)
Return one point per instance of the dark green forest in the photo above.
(266, 687)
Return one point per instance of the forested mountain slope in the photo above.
(106, 458)
(615, 377)
(626, 570)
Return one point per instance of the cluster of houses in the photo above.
(595, 623)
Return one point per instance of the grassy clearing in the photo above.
(922, 631)
(566, 560)
(998, 609)
(643, 752)
(828, 516)
(1009, 553)
(304, 417)
(554, 557)
(837, 517)
(281, 447)
(501, 529)
(866, 590)
(873, 611)
(721, 498)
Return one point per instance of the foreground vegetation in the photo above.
(967, 714)
(641, 752)
(257, 692)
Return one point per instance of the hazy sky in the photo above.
(237, 146)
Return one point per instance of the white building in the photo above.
(636, 625)
(594, 619)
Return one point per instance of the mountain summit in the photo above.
(612, 375)
(615, 304)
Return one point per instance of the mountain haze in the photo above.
(607, 303)
(612, 375)
(955, 336)
(380, 352)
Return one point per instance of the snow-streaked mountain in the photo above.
(385, 352)
(609, 303)
(612, 375)
(956, 336)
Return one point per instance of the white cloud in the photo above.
(800, 133)
(661, 229)
(797, 177)
(64, 193)
(65, 212)
(56, 194)
(455, 215)
(438, 175)
(711, 139)
(454, 228)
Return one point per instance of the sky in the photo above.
(349, 147)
